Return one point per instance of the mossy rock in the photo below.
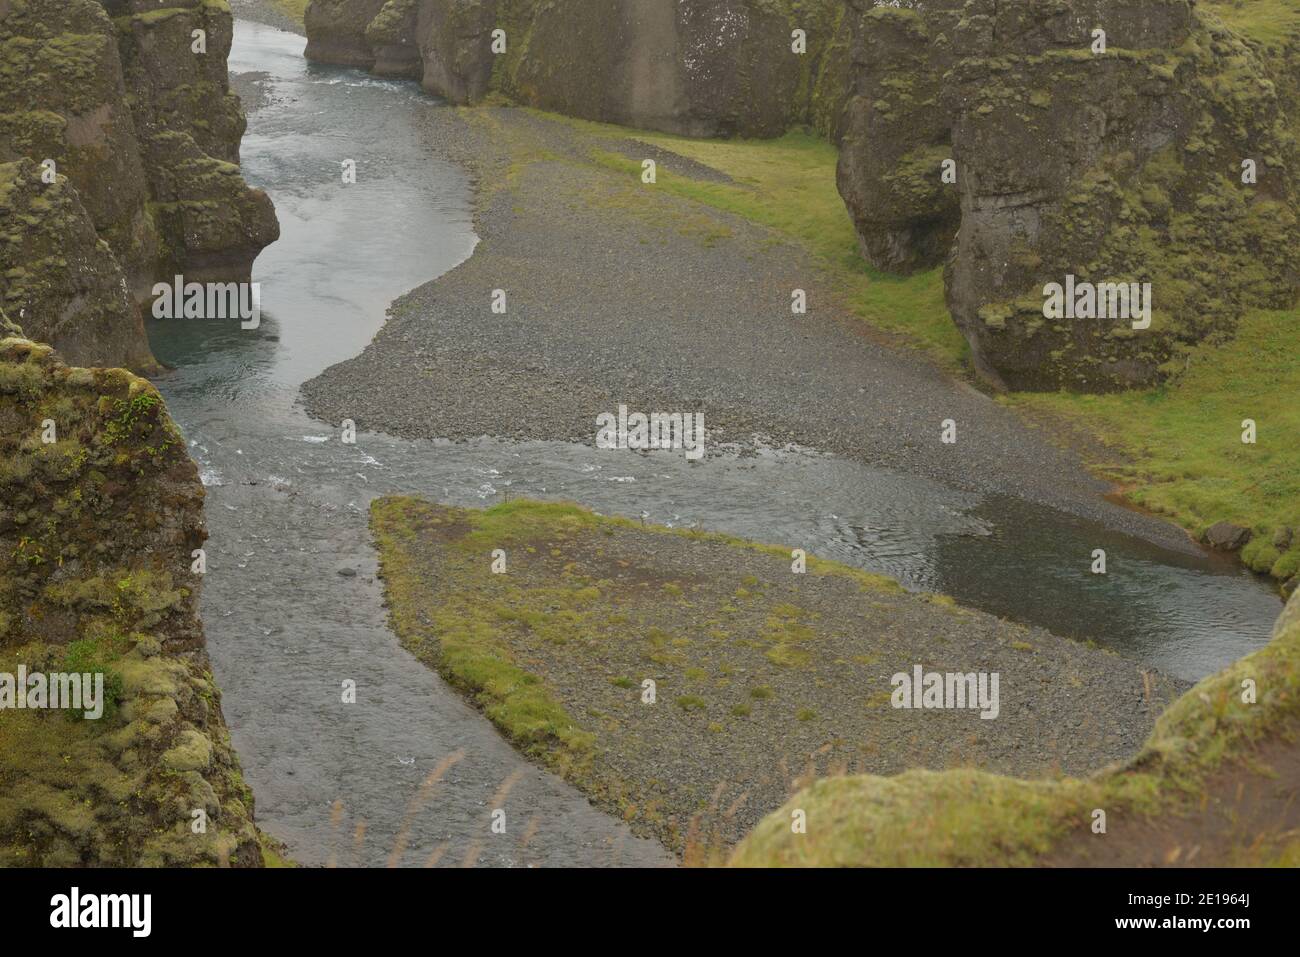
(96, 537)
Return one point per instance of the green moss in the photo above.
(22, 379)
(1287, 566)
(390, 23)
(1259, 555)
(91, 583)
(96, 655)
(273, 852)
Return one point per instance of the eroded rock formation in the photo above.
(97, 533)
(1123, 165)
(699, 67)
(132, 108)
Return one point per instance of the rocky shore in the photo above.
(269, 12)
(1214, 786)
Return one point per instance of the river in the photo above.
(291, 604)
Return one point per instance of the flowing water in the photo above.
(291, 604)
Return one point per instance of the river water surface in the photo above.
(291, 605)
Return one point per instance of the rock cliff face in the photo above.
(58, 275)
(699, 68)
(131, 107)
(101, 510)
(1122, 165)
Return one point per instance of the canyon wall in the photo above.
(698, 68)
(1117, 165)
(119, 143)
(119, 148)
(101, 511)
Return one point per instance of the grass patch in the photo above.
(1178, 450)
(788, 184)
(296, 10)
(273, 852)
(1268, 21)
(464, 636)
(95, 655)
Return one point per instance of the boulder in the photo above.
(1226, 537)
(336, 31)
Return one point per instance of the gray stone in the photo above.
(1226, 537)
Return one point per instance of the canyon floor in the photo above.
(618, 292)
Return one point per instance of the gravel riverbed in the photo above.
(618, 293)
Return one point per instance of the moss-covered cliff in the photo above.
(1157, 150)
(101, 511)
(128, 101)
(701, 68)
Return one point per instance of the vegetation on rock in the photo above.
(97, 534)
(1123, 164)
